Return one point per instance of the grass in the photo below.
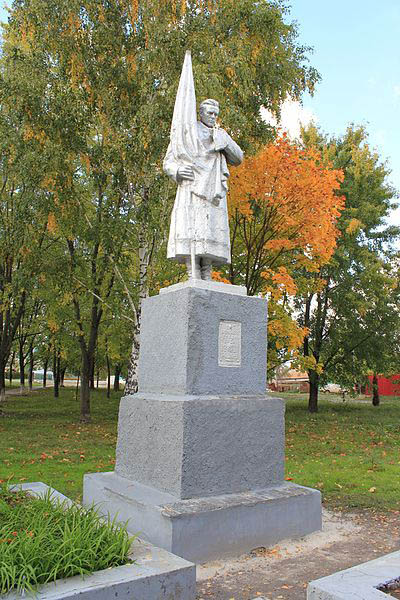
(41, 439)
(42, 541)
(350, 451)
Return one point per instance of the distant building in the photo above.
(291, 381)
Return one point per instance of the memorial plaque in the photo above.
(230, 344)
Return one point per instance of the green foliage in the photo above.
(42, 540)
(350, 307)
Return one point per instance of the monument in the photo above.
(200, 453)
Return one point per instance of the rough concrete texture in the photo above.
(216, 286)
(179, 343)
(155, 574)
(191, 447)
(211, 527)
(359, 582)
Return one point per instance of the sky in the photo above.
(357, 52)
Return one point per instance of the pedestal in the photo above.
(200, 452)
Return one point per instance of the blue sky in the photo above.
(357, 52)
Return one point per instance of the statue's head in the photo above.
(209, 111)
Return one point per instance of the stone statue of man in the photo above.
(197, 160)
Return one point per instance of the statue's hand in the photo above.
(185, 174)
(221, 139)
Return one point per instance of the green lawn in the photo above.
(350, 451)
(41, 439)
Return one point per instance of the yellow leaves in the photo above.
(51, 223)
(86, 163)
(353, 226)
(30, 134)
(53, 325)
(132, 66)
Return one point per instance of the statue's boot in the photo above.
(206, 268)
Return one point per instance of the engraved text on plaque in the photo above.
(230, 344)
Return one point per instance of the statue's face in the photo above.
(209, 114)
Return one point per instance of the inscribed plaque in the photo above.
(230, 344)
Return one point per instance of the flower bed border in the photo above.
(361, 582)
(155, 575)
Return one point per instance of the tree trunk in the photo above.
(131, 385)
(375, 391)
(2, 382)
(85, 389)
(31, 365)
(97, 379)
(21, 366)
(108, 376)
(117, 373)
(45, 365)
(91, 374)
(62, 375)
(11, 368)
(313, 396)
(77, 386)
(56, 374)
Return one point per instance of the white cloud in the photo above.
(293, 116)
(396, 90)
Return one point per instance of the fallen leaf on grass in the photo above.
(372, 489)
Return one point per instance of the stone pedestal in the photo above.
(200, 452)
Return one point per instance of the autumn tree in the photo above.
(284, 207)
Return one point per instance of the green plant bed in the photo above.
(42, 540)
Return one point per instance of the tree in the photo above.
(284, 207)
(342, 305)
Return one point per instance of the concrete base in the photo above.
(362, 582)
(207, 528)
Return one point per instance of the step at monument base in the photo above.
(207, 528)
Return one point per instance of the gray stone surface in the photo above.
(179, 343)
(207, 528)
(155, 575)
(358, 583)
(195, 446)
(216, 286)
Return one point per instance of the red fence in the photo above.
(386, 386)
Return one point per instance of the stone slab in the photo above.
(156, 574)
(180, 343)
(196, 446)
(207, 528)
(359, 582)
(216, 286)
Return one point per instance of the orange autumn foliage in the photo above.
(284, 206)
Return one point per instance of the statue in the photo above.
(197, 159)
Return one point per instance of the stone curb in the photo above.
(359, 582)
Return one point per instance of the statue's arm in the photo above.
(224, 143)
(170, 166)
